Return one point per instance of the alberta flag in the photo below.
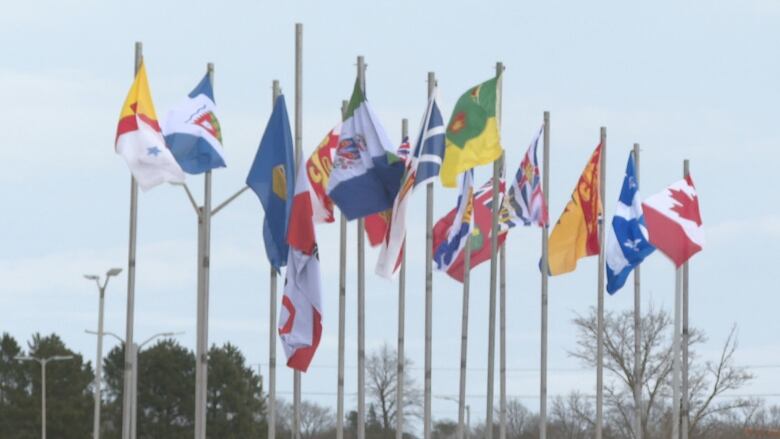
(429, 149)
(192, 131)
(627, 239)
(365, 177)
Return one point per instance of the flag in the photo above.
(271, 176)
(192, 131)
(366, 177)
(378, 224)
(429, 149)
(300, 318)
(576, 234)
(525, 201)
(627, 245)
(472, 134)
(391, 253)
(318, 168)
(450, 232)
(139, 140)
(674, 222)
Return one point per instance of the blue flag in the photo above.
(192, 131)
(429, 149)
(627, 238)
(272, 177)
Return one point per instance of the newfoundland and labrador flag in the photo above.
(472, 134)
(674, 222)
(318, 168)
(192, 131)
(300, 319)
(139, 140)
(271, 177)
(626, 241)
(366, 177)
(576, 234)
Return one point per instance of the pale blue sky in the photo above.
(693, 80)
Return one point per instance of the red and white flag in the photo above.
(674, 222)
(300, 319)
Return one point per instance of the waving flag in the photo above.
(472, 134)
(300, 319)
(192, 131)
(139, 141)
(318, 168)
(576, 233)
(378, 224)
(627, 245)
(525, 200)
(366, 177)
(271, 177)
(429, 149)
(674, 222)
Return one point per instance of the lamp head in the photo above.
(91, 277)
(113, 272)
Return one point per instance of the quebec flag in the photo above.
(627, 239)
(192, 131)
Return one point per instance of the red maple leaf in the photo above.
(686, 206)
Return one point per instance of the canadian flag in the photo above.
(674, 222)
(300, 319)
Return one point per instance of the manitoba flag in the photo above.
(674, 222)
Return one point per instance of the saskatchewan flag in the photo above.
(472, 134)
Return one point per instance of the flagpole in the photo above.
(275, 93)
(298, 138)
(399, 388)
(342, 310)
(464, 337)
(361, 287)
(676, 356)
(545, 274)
(493, 266)
(600, 298)
(685, 334)
(428, 290)
(502, 341)
(637, 330)
(128, 366)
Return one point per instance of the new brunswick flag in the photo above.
(576, 233)
(472, 135)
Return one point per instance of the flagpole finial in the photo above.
(277, 90)
(686, 167)
(431, 83)
(139, 55)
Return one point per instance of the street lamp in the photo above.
(99, 361)
(43, 362)
(467, 433)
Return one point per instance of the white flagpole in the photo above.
(428, 290)
(128, 367)
(399, 388)
(298, 153)
(637, 331)
(545, 275)
(493, 267)
(502, 341)
(685, 334)
(361, 287)
(464, 339)
(676, 356)
(600, 298)
(342, 311)
(272, 330)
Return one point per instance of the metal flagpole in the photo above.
(276, 91)
(600, 298)
(428, 290)
(676, 356)
(399, 388)
(545, 275)
(464, 339)
(128, 369)
(502, 341)
(361, 302)
(493, 266)
(685, 334)
(637, 331)
(342, 310)
(298, 153)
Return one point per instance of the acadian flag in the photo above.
(271, 177)
(300, 319)
(139, 141)
(576, 233)
(192, 131)
(472, 135)
(366, 177)
(318, 168)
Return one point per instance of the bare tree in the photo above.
(382, 370)
(315, 420)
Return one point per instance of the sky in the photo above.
(695, 80)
